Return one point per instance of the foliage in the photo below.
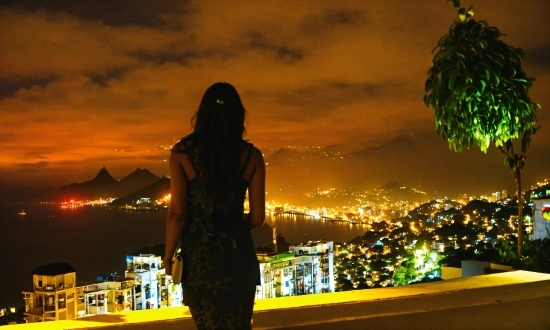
(343, 284)
(377, 265)
(537, 256)
(479, 94)
(425, 263)
(506, 252)
(405, 274)
(372, 236)
(455, 229)
(13, 318)
(454, 257)
(477, 88)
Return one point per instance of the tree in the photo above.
(479, 94)
(282, 245)
(537, 255)
(405, 274)
(505, 251)
(344, 284)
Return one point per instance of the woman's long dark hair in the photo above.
(217, 139)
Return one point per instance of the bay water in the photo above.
(96, 240)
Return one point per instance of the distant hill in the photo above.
(154, 191)
(397, 192)
(137, 180)
(105, 186)
(390, 186)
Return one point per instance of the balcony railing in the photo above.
(52, 287)
(37, 310)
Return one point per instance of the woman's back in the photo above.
(210, 172)
(234, 182)
(218, 251)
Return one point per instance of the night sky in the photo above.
(87, 84)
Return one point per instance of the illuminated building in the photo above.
(57, 295)
(314, 267)
(277, 276)
(152, 289)
(306, 269)
(110, 296)
(54, 295)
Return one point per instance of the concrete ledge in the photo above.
(511, 300)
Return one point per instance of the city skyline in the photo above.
(89, 85)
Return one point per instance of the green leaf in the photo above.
(452, 79)
(483, 44)
(462, 14)
(471, 11)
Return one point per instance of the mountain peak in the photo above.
(104, 175)
(141, 174)
(392, 185)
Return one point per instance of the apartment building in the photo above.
(109, 295)
(306, 269)
(57, 296)
(314, 267)
(54, 294)
(152, 289)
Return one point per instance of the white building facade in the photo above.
(152, 288)
(306, 269)
(57, 296)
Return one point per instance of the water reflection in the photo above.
(298, 228)
(95, 240)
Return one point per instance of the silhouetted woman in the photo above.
(210, 172)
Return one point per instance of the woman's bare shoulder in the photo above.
(257, 156)
(180, 158)
(181, 146)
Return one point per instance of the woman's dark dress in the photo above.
(220, 265)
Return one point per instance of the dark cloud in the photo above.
(112, 12)
(287, 54)
(331, 19)
(128, 75)
(325, 97)
(103, 79)
(8, 87)
(30, 166)
(166, 57)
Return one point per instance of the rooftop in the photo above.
(510, 300)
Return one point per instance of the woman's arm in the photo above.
(177, 214)
(256, 191)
